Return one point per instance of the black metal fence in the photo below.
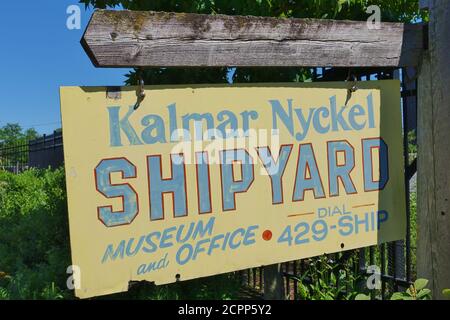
(46, 151)
(393, 263)
(43, 152)
(14, 157)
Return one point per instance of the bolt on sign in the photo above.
(203, 180)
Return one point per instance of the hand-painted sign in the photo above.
(205, 180)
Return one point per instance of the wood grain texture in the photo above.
(144, 39)
(434, 154)
(425, 172)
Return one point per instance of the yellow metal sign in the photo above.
(203, 180)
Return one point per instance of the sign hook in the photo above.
(353, 87)
(141, 93)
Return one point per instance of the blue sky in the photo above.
(38, 55)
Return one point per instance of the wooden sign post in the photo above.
(433, 181)
(158, 39)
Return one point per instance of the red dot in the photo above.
(267, 235)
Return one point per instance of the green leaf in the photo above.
(408, 291)
(362, 296)
(401, 296)
(423, 293)
(322, 283)
(420, 284)
(446, 293)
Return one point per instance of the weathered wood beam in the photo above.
(144, 39)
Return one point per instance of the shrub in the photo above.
(327, 279)
(34, 236)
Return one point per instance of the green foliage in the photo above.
(362, 296)
(13, 133)
(399, 10)
(412, 142)
(446, 293)
(416, 291)
(34, 238)
(327, 280)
